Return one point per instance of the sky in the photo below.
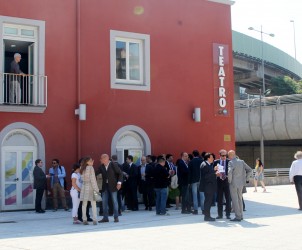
(275, 17)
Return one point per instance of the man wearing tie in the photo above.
(208, 184)
(132, 175)
(183, 182)
(223, 185)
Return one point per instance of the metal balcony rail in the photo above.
(18, 89)
(268, 101)
(275, 172)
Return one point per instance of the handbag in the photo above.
(97, 196)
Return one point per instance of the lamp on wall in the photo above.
(196, 115)
(81, 112)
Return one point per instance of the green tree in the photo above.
(285, 86)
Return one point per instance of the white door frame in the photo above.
(17, 178)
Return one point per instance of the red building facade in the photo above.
(135, 71)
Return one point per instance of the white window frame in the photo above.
(144, 41)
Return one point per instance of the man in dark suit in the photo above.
(208, 183)
(223, 185)
(150, 179)
(112, 182)
(161, 183)
(183, 182)
(194, 178)
(39, 184)
(132, 176)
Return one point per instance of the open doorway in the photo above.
(26, 49)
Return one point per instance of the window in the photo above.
(130, 60)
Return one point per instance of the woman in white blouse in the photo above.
(75, 192)
(295, 176)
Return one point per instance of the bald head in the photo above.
(231, 154)
(104, 159)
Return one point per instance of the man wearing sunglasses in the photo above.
(223, 185)
(58, 174)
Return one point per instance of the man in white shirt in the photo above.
(295, 176)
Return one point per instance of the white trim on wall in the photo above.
(228, 2)
(135, 129)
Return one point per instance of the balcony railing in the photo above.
(20, 91)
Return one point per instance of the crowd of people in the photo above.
(194, 181)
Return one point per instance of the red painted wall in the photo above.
(182, 33)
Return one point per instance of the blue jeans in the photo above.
(194, 187)
(161, 197)
(201, 195)
(105, 195)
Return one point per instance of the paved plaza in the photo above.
(271, 221)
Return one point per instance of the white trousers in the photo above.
(75, 202)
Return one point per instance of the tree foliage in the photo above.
(285, 86)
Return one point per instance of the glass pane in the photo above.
(27, 165)
(10, 194)
(120, 60)
(10, 31)
(27, 193)
(134, 65)
(10, 166)
(27, 32)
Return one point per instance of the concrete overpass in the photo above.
(247, 65)
(282, 129)
(282, 116)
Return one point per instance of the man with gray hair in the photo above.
(239, 174)
(295, 176)
(14, 85)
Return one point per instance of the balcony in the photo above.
(23, 93)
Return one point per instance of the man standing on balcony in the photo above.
(14, 86)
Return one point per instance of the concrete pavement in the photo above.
(271, 221)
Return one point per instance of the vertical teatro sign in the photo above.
(221, 79)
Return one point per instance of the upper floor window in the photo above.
(130, 60)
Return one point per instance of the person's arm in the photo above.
(93, 180)
(248, 171)
(62, 173)
(292, 173)
(119, 173)
(230, 172)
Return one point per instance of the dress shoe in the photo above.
(218, 217)
(116, 219)
(103, 220)
(195, 212)
(235, 219)
(209, 219)
(185, 212)
(66, 209)
(40, 212)
(89, 219)
(165, 214)
(228, 217)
